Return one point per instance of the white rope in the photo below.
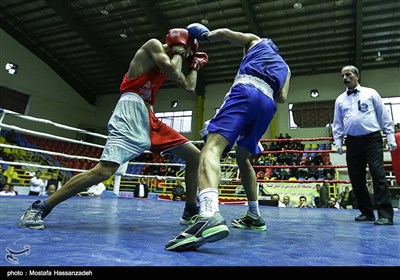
(83, 170)
(50, 136)
(34, 119)
(96, 159)
(47, 152)
(39, 166)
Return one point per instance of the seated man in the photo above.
(332, 203)
(262, 191)
(276, 197)
(303, 202)
(286, 201)
(7, 190)
(50, 190)
(178, 191)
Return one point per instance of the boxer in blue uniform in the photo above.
(262, 81)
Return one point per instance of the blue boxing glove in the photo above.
(198, 31)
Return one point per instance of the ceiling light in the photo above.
(297, 5)
(104, 11)
(204, 20)
(174, 104)
(379, 57)
(11, 68)
(123, 35)
(339, 3)
(314, 93)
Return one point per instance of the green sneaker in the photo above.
(248, 221)
(203, 230)
(188, 215)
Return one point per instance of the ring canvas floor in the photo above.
(126, 232)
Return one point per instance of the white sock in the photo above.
(253, 208)
(208, 202)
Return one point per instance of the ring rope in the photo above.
(49, 136)
(82, 170)
(306, 166)
(158, 177)
(34, 119)
(297, 151)
(304, 181)
(295, 139)
(48, 152)
(170, 164)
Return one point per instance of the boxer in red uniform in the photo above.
(133, 127)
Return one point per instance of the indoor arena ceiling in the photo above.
(81, 39)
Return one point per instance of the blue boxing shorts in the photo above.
(244, 116)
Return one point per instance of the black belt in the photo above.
(366, 135)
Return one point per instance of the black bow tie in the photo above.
(352, 91)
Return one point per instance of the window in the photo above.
(13, 100)
(393, 106)
(311, 114)
(181, 121)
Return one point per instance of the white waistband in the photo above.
(256, 82)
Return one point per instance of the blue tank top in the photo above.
(264, 62)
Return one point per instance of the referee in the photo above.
(360, 116)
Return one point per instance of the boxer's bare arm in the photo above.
(282, 96)
(236, 38)
(151, 54)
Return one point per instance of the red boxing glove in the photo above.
(198, 61)
(180, 37)
(177, 36)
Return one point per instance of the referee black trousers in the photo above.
(363, 151)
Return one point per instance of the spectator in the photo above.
(332, 203)
(3, 179)
(345, 198)
(178, 191)
(7, 191)
(36, 184)
(323, 195)
(53, 181)
(276, 197)
(303, 202)
(12, 189)
(50, 190)
(141, 189)
(262, 191)
(286, 201)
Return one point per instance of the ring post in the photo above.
(118, 174)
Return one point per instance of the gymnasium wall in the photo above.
(54, 99)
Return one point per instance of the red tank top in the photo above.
(146, 85)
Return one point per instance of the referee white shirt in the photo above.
(36, 184)
(361, 113)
